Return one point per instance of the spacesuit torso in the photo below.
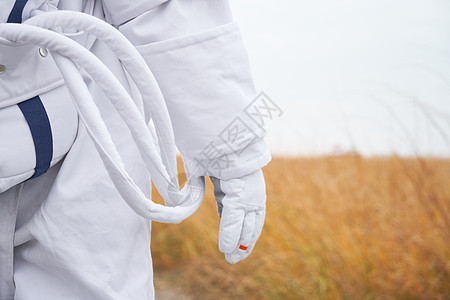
(66, 232)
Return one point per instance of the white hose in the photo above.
(154, 104)
(62, 48)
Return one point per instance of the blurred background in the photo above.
(359, 186)
(368, 76)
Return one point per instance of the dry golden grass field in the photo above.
(336, 228)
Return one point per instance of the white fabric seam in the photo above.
(188, 40)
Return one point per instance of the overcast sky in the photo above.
(371, 76)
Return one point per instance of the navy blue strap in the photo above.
(39, 124)
(16, 13)
(34, 112)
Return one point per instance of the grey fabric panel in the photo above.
(8, 214)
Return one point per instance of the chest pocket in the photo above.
(38, 121)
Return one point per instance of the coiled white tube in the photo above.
(63, 48)
(154, 104)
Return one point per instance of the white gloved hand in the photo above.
(241, 203)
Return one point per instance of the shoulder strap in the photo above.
(16, 13)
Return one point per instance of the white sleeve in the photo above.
(196, 53)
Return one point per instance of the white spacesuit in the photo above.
(76, 154)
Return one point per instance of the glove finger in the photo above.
(230, 228)
(248, 229)
(240, 254)
(259, 224)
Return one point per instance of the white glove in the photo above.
(241, 203)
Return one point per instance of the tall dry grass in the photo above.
(336, 228)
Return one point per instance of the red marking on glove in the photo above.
(243, 247)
